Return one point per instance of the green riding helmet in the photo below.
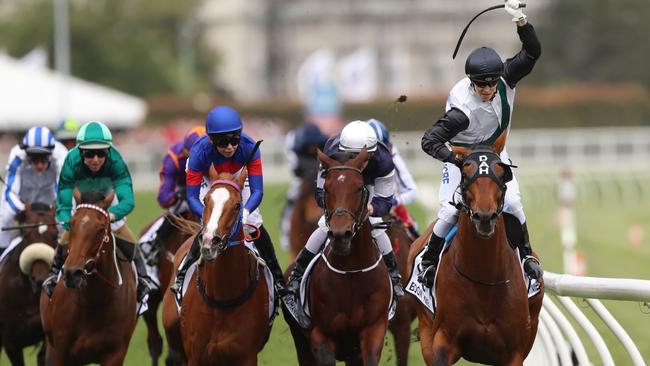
(94, 135)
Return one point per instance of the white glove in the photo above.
(512, 7)
(244, 216)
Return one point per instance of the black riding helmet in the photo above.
(484, 65)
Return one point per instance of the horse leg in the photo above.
(401, 329)
(444, 353)
(40, 358)
(15, 354)
(371, 342)
(323, 348)
(154, 340)
(517, 360)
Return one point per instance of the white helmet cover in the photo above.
(357, 134)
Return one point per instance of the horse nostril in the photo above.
(494, 216)
(348, 234)
(476, 217)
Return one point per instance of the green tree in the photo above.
(131, 45)
(597, 40)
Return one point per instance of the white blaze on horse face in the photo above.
(341, 178)
(219, 198)
(85, 219)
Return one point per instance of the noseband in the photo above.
(90, 267)
(339, 211)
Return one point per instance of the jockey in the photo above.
(379, 176)
(95, 164)
(301, 144)
(406, 189)
(66, 132)
(32, 171)
(171, 193)
(227, 149)
(478, 111)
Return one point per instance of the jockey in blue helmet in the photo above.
(226, 148)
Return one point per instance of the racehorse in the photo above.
(224, 318)
(306, 213)
(21, 275)
(483, 313)
(182, 230)
(349, 289)
(92, 313)
(400, 325)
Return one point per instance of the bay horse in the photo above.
(349, 289)
(224, 317)
(306, 212)
(182, 230)
(483, 313)
(21, 276)
(92, 313)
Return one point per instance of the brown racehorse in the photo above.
(483, 313)
(165, 263)
(92, 313)
(224, 318)
(306, 212)
(349, 288)
(21, 276)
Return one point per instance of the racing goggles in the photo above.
(485, 84)
(100, 153)
(222, 141)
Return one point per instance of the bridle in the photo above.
(235, 229)
(90, 267)
(357, 216)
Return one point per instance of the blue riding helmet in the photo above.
(309, 135)
(222, 119)
(381, 131)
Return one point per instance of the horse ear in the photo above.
(212, 173)
(241, 179)
(361, 158)
(108, 200)
(325, 160)
(500, 143)
(77, 195)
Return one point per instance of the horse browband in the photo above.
(228, 183)
(96, 208)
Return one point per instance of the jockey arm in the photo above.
(406, 187)
(382, 199)
(256, 183)
(521, 64)
(123, 187)
(64, 195)
(13, 182)
(168, 176)
(434, 141)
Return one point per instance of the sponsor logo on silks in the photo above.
(483, 167)
(445, 174)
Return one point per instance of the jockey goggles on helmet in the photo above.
(222, 140)
(38, 157)
(91, 153)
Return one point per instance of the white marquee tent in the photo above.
(30, 96)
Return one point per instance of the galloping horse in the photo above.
(92, 313)
(483, 313)
(224, 318)
(165, 262)
(21, 275)
(306, 213)
(349, 287)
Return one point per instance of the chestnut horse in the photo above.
(224, 318)
(349, 289)
(483, 313)
(21, 275)
(306, 212)
(165, 261)
(92, 313)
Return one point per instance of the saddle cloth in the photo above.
(267, 275)
(427, 296)
(145, 245)
(304, 291)
(14, 243)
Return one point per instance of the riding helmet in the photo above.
(38, 140)
(484, 64)
(222, 119)
(94, 135)
(357, 134)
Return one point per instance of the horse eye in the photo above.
(237, 206)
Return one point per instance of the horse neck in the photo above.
(481, 258)
(363, 253)
(228, 275)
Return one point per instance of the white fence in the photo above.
(557, 340)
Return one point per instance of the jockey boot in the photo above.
(413, 231)
(532, 266)
(302, 261)
(145, 284)
(50, 283)
(430, 260)
(265, 247)
(192, 256)
(393, 272)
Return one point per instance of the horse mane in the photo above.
(39, 207)
(183, 224)
(92, 197)
(342, 156)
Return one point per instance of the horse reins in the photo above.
(105, 239)
(339, 211)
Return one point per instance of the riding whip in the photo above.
(462, 35)
(250, 157)
(27, 226)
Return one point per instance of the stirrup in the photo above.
(49, 285)
(427, 275)
(177, 286)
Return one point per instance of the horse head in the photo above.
(483, 188)
(222, 216)
(90, 236)
(345, 197)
